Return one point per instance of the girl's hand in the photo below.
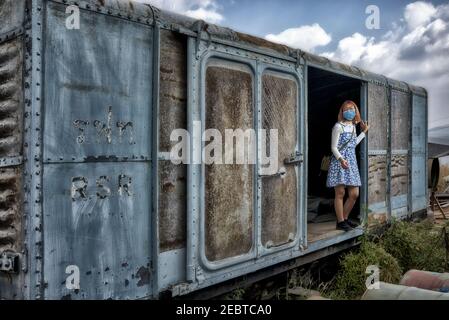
(364, 126)
(344, 164)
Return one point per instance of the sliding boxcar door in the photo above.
(280, 186)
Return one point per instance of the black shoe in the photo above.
(351, 224)
(343, 225)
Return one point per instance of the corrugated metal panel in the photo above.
(11, 101)
(11, 135)
(97, 151)
(279, 193)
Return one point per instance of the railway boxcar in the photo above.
(92, 207)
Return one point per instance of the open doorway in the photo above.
(326, 92)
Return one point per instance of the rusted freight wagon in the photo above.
(91, 207)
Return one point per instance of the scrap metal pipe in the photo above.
(426, 280)
(388, 291)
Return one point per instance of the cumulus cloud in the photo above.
(204, 14)
(415, 50)
(305, 37)
(418, 13)
(207, 10)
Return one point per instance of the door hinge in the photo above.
(9, 262)
(199, 275)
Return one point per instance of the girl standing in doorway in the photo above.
(343, 169)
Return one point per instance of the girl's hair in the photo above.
(357, 117)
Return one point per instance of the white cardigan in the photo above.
(338, 129)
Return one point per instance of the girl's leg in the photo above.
(353, 194)
(338, 202)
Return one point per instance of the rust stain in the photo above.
(262, 43)
(168, 187)
(144, 275)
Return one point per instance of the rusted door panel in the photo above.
(229, 188)
(419, 165)
(279, 193)
(97, 88)
(97, 151)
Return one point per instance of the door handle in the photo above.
(280, 173)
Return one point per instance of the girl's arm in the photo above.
(336, 131)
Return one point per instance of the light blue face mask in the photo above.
(349, 114)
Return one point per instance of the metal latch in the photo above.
(9, 262)
(294, 159)
(281, 173)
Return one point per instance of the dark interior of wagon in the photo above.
(326, 92)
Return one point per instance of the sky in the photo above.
(410, 42)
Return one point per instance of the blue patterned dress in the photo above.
(337, 174)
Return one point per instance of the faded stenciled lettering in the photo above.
(125, 128)
(81, 126)
(124, 185)
(103, 187)
(103, 130)
(103, 191)
(79, 188)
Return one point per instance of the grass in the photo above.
(404, 245)
(417, 245)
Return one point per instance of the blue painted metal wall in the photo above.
(96, 152)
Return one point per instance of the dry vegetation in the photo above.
(403, 246)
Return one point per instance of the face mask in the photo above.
(349, 114)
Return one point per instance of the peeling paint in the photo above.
(144, 274)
